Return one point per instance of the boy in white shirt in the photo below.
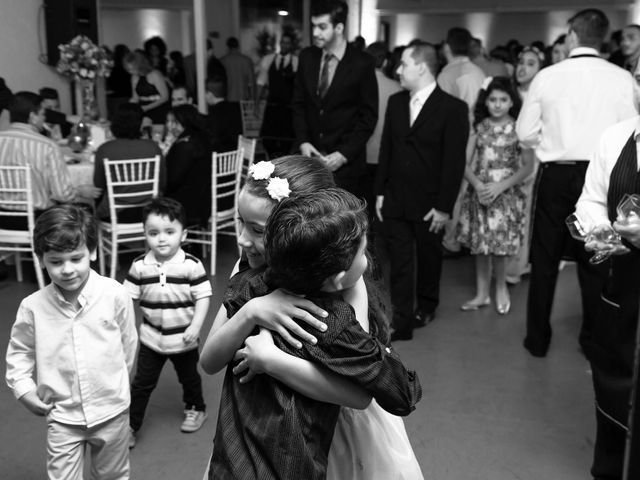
(78, 333)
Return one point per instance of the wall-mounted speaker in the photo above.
(64, 19)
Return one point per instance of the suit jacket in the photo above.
(225, 124)
(344, 119)
(421, 166)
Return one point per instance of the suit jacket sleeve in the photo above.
(300, 100)
(382, 174)
(455, 139)
(355, 143)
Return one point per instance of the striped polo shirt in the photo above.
(167, 292)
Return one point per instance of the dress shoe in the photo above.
(422, 318)
(474, 305)
(535, 351)
(401, 335)
(503, 308)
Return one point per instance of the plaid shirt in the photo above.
(267, 430)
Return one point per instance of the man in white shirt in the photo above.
(612, 173)
(463, 79)
(568, 107)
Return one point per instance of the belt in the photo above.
(565, 163)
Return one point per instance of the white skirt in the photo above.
(371, 444)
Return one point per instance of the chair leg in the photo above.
(101, 252)
(38, 268)
(114, 255)
(18, 261)
(214, 250)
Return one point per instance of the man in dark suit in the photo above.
(224, 119)
(335, 98)
(422, 160)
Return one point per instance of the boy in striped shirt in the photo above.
(174, 292)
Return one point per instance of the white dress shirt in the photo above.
(591, 208)
(418, 100)
(82, 358)
(571, 103)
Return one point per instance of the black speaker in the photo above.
(64, 19)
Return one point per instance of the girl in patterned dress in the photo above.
(493, 207)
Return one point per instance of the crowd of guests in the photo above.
(452, 148)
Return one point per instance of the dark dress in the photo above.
(148, 93)
(189, 176)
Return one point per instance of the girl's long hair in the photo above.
(503, 84)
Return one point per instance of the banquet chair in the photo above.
(252, 123)
(225, 188)
(248, 146)
(130, 184)
(16, 200)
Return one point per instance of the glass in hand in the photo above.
(628, 208)
(604, 238)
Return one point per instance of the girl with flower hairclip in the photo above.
(267, 184)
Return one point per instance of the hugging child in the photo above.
(174, 293)
(79, 334)
(316, 246)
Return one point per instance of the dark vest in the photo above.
(281, 82)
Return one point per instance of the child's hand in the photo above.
(190, 334)
(257, 351)
(277, 310)
(489, 192)
(34, 404)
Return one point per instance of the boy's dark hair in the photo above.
(64, 228)
(167, 207)
(305, 175)
(459, 40)
(22, 105)
(311, 237)
(504, 84)
(127, 121)
(336, 9)
(591, 26)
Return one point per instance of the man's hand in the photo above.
(309, 150)
(629, 230)
(34, 404)
(88, 191)
(379, 203)
(438, 220)
(334, 161)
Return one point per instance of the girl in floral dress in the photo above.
(493, 207)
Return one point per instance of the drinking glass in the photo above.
(628, 208)
(605, 237)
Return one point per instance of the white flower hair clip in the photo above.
(277, 188)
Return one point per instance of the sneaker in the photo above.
(132, 438)
(193, 420)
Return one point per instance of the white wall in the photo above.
(20, 52)
(133, 26)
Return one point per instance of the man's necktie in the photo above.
(414, 109)
(323, 85)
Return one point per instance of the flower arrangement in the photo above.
(84, 60)
(277, 188)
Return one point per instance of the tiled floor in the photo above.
(489, 412)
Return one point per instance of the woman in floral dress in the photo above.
(493, 207)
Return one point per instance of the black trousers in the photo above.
(150, 365)
(415, 257)
(558, 189)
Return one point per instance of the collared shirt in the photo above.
(337, 54)
(21, 145)
(463, 79)
(418, 100)
(167, 292)
(591, 208)
(82, 358)
(571, 103)
(281, 61)
(266, 430)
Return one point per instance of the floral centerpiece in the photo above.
(84, 61)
